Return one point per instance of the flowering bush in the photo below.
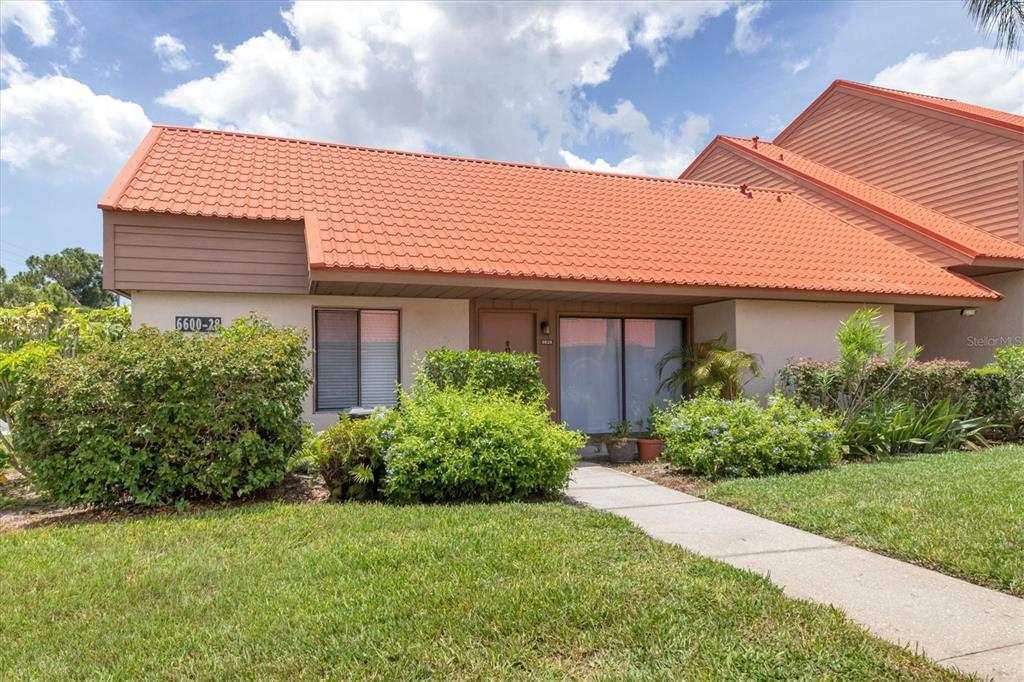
(459, 444)
(715, 437)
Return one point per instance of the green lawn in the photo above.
(544, 591)
(958, 512)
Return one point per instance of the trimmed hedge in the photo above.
(512, 373)
(984, 392)
(460, 444)
(159, 417)
(715, 437)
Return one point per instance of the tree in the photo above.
(1003, 18)
(711, 366)
(73, 277)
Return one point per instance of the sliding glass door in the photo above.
(608, 368)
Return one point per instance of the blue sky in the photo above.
(637, 87)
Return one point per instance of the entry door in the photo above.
(511, 331)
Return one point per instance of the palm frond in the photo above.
(1002, 18)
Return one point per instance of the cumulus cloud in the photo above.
(33, 17)
(57, 126)
(172, 53)
(980, 76)
(664, 153)
(745, 36)
(502, 80)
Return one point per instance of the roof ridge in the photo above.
(843, 81)
(949, 241)
(945, 105)
(463, 159)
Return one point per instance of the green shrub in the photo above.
(35, 334)
(715, 437)
(897, 428)
(348, 457)
(1011, 360)
(918, 383)
(989, 393)
(512, 373)
(159, 417)
(459, 444)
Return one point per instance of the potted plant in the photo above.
(648, 444)
(621, 448)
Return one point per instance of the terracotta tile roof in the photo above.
(927, 222)
(371, 209)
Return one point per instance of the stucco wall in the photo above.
(425, 323)
(948, 334)
(905, 329)
(780, 331)
(714, 319)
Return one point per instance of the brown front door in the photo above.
(512, 331)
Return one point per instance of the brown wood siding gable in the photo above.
(178, 253)
(962, 168)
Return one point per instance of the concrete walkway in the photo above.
(953, 622)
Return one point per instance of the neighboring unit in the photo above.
(382, 255)
(940, 178)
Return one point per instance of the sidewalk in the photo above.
(956, 623)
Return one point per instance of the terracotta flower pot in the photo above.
(649, 448)
(621, 450)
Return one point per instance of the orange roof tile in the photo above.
(930, 223)
(370, 209)
(974, 112)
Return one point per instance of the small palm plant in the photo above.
(709, 366)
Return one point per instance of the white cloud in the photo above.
(745, 37)
(980, 76)
(797, 66)
(663, 153)
(33, 17)
(57, 126)
(172, 53)
(501, 80)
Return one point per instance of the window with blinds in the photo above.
(356, 358)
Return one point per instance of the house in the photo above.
(382, 255)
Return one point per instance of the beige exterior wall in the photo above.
(948, 334)
(904, 330)
(780, 331)
(714, 319)
(426, 323)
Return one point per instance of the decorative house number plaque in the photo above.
(195, 323)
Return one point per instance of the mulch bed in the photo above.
(664, 474)
(21, 508)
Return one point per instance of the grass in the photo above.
(961, 513)
(541, 591)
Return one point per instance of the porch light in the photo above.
(545, 328)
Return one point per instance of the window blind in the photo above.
(357, 356)
(337, 373)
(378, 357)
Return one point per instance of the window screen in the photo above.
(356, 358)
